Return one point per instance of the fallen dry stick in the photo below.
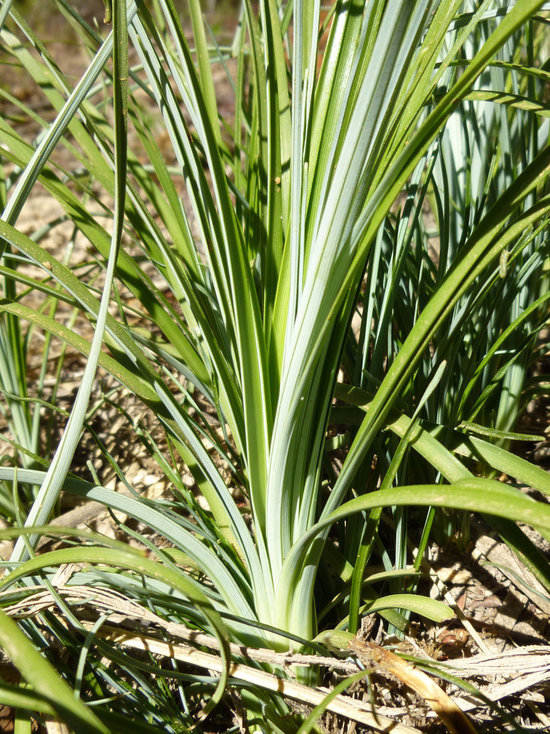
(342, 705)
(384, 661)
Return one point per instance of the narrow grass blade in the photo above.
(51, 487)
(44, 678)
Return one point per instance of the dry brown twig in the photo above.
(350, 708)
(378, 658)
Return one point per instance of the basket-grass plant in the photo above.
(356, 353)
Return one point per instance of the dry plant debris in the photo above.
(500, 675)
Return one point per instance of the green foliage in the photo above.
(351, 275)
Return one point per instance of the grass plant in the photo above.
(329, 300)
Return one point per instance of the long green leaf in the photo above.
(52, 484)
(134, 561)
(473, 495)
(43, 678)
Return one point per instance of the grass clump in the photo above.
(328, 298)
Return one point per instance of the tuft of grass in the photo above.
(328, 298)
